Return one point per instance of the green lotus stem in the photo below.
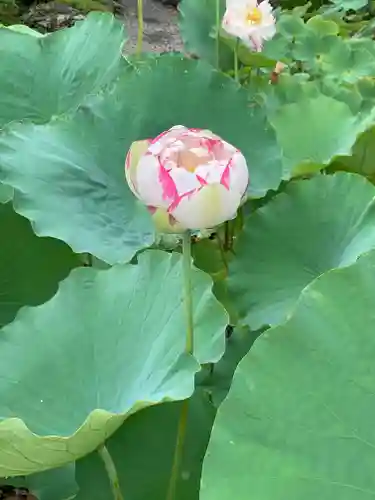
(236, 75)
(222, 251)
(140, 27)
(240, 217)
(188, 299)
(189, 348)
(111, 472)
(217, 34)
(227, 231)
(178, 452)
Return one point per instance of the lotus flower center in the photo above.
(190, 161)
(254, 16)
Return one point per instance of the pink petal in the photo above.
(195, 129)
(147, 180)
(178, 200)
(225, 178)
(239, 173)
(202, 181)
(168, 186)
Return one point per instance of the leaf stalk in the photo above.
(189, 348)
(140, 27)
(110, 468)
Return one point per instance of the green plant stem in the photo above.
(240, 219)
(226, 236)
(217, 34)
(178, 452)
(222, 251)
(189, 348)
(188, 300)
(111, 472)
(140, 27)
(236, 75)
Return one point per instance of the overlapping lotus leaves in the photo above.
(362, 158)
(41, 77)
(311, 137)
(144, 446)
(143, 451)
(81, 158)
(53, 484)
(313, 226)
(6, 193)
(320, 50)
(297, 422)
(108, 344)
(30, 267)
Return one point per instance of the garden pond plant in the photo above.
(187, 271)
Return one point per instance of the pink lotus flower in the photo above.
(188, 178)
(250, 21)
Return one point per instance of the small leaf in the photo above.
(323, 26)
(311, 137)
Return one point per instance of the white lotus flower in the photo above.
(251, 22)
(188, 178)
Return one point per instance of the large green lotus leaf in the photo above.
(297, 422)
(30, 267)
(143, 447)
(198, 26)
(295, 238)
(22, 28)
(198, 96)
(108, 344)
(70, 182)
(46, 76)
(81, 158)
(311, 137)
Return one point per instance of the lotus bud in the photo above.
(189, 179)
